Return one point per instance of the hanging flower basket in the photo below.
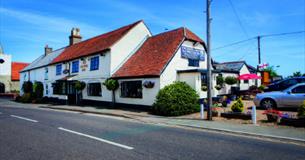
(204, 88)
(149, 84)
(2, 61)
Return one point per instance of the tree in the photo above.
(79, 86)
(297, 74)
(271, 71)
(112, 85)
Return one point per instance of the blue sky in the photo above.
(27, 26)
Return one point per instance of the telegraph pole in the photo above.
(259, 49)
(209, 74)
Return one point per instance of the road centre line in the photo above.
(96, 138)
(24, 118)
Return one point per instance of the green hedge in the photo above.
(176, 99)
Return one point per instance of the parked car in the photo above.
(284, 84)
(290, 97)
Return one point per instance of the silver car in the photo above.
(290, 97)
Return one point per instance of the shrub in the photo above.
(176, 99)
(238, 106)
(79, 85)
(219, 80)
(26, 98)
(111, 84)
(38, 90)
(301, 110)
(261, 87)
(27, 87)
(230, 80)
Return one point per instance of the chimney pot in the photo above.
(75, 36)
(47, 50)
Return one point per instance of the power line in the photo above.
(282, 34)
(238, 18)
(234, 43)
(263, 36)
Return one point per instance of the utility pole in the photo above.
(209, 74)
(259, 49)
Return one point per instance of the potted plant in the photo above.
(218, 87)
(273, 115)
(204, 88)
(149, 84)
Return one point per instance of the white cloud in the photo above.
(49, 23)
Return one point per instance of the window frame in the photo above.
(58, 69)
(129, 93)
(91, 85)
(94, 63)
(193, 63)
(75, 66)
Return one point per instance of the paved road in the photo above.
(45, 134)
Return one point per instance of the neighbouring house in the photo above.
(9, 73)
(141, 62)
(235, 69)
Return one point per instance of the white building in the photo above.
(129, 54)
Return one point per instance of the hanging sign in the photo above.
(192, 53)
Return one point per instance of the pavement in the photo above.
(31, 133)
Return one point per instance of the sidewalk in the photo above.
(282, 134)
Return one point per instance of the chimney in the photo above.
(75, 36)
(47, 50)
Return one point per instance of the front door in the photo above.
(71, 92)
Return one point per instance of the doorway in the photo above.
(2, 88)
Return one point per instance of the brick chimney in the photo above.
(47, 50)
(75, 36)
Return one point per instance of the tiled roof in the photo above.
(230, 66)
(16, 68)
(154, 54)
(43, 60)
(93, 45)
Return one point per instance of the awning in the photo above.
(249, 76)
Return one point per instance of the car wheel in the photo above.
(268, 103)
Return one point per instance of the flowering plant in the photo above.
(273, 115)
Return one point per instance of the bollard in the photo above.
(201, 111)
(254, 115)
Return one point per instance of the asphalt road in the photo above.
(35, 134)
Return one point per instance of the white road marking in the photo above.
(98, 139)
(27, 119)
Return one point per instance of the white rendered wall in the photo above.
(149, 94)
(128, 45)
(6, 67)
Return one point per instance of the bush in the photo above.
(79, 85)
(38, 90)
(111, 84)
(230, 80)
(176, 99)
(301, 110)
(26, 98)
(261, 87)
(219, 80)
(27, 87)
(238, 106)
